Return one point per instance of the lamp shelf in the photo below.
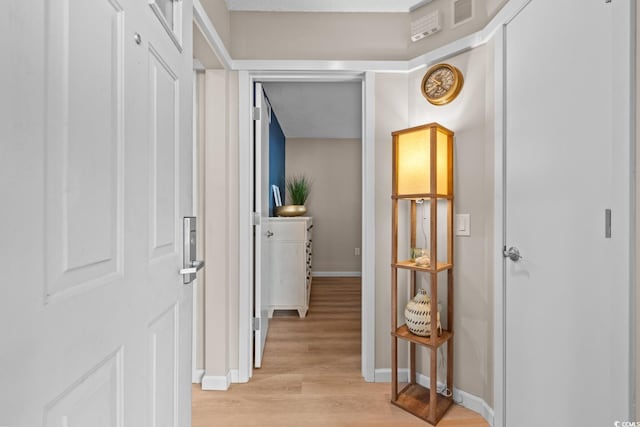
(404, 333)
(422, 174)
(411, 265)
(415, 399)
(423, 196)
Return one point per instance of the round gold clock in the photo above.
(442, 84)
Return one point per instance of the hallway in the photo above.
(311, 374)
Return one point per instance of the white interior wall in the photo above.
(400, 104)
(470, 117)
(335, 169)
(199, 306)
(221, 217)
(392, 113)
(347, 36)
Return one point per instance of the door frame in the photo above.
(623, 196)
(246, 85)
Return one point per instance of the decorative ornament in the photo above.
(418, 315)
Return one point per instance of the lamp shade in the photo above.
(423, 162)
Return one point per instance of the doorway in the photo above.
(314, 134)
(246, 95)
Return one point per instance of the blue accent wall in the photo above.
(276, 160)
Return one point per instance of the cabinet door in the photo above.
(288, 274)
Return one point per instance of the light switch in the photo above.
(463, 225)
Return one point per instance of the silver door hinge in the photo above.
(255, 324)
(607, 223)
(255, 113)
(255, 218)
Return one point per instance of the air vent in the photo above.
(425, 26)
(462, 11)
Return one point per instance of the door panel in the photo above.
(163, 97)
(97, 396)
(558, 180)
(262, 233)
(96, 176)
(164, 349)
(84, 145)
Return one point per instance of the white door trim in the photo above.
(246, 80)
(623, 195)
(499, 314)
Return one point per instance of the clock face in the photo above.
(441, 84)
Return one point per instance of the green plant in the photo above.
(298, 187)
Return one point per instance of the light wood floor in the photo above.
(311, 375)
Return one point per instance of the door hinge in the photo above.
(255, 113)
(255, 324)
(255, 218)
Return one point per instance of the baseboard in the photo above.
(196, 376)
(336, 274)
(235, 374)
(461, 397)
(216, 382)
(384, 375)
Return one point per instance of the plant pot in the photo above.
(290, 210)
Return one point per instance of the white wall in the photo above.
(221, 225)
(347, 36)
(392, 113)
(335, 168)
(470, 116)
(400, 104)
(220, 18)
(200, 215)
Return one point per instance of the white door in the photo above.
(261, 299)
(95, 157)
(563, 342)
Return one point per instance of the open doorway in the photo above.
(320, 129)
(365, 225)
(315, 133)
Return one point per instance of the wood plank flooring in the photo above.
(311, 375)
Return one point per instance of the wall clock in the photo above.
(442, 84)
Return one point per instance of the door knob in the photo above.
(512, 253)
(269, 233)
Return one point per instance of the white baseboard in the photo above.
(235, 374)
(336, 274)
(196, 376)
(384, 375)
(461, 397)
(216, 382)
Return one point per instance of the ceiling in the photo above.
(317, 110)
(325, 5)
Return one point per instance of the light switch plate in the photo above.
(463, 225)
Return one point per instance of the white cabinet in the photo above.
(290, 279)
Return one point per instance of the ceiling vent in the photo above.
(462, 11)
(425, 26)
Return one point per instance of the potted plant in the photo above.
(298, 189)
